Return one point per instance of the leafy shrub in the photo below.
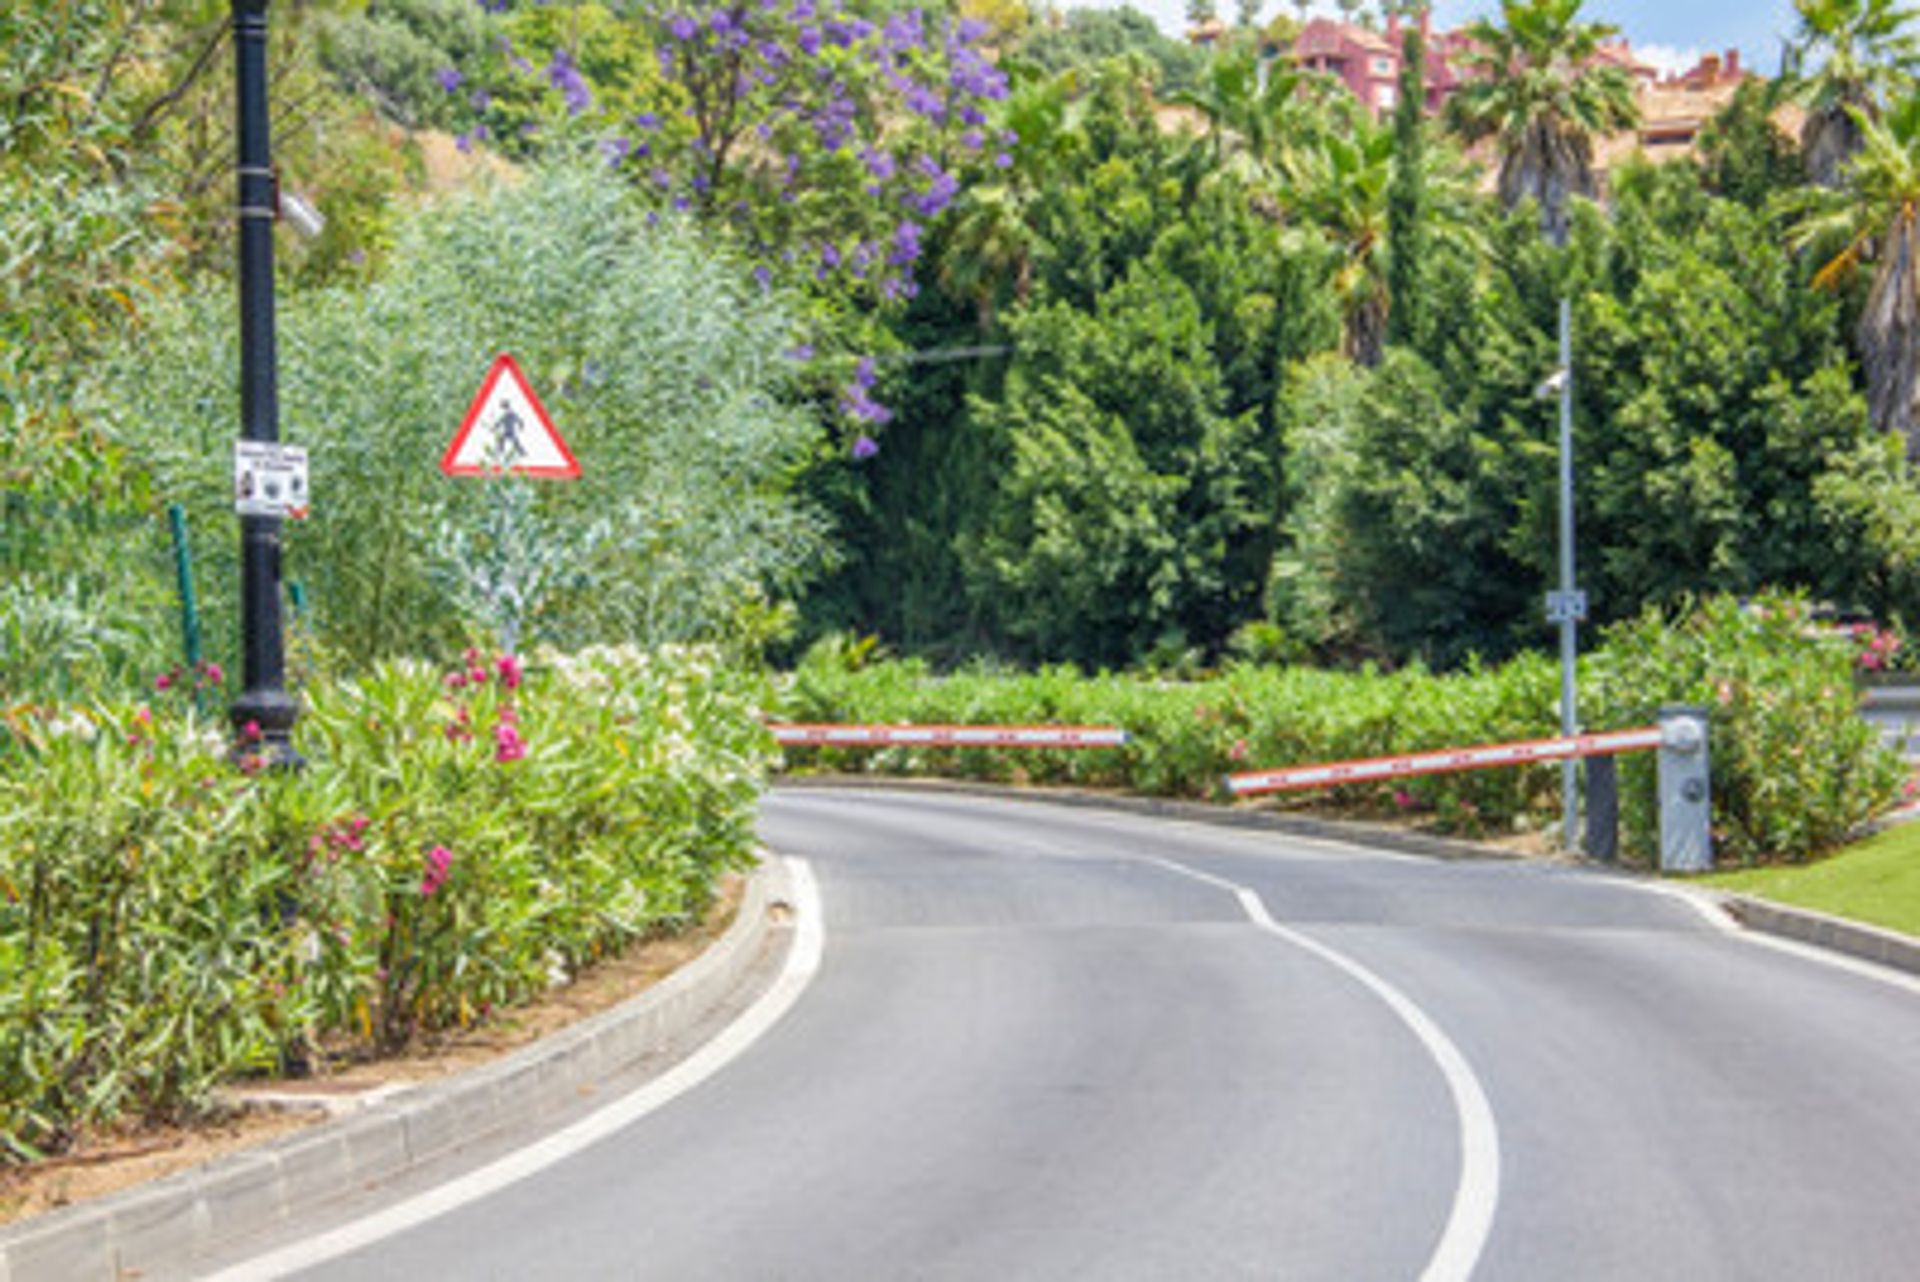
(1186, 736)
(663, 367)
(1796, 769)
(456, 842)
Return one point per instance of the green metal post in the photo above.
(189, 604)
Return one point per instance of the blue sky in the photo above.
(1670, 33)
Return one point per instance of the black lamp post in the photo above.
(263, 701)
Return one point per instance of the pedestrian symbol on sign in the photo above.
(507, 448)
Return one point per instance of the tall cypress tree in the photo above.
(1407, 197)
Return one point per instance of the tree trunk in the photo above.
(1830, 138)
(1888, 332)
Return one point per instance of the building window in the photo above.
(1384, 97)
(1383, 66)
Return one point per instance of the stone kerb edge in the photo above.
(1803, 925)
(157, 1228)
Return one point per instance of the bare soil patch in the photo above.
(261, 1109)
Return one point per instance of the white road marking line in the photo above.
(803, 962)
(1476, 1195)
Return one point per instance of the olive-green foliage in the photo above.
(393, 54)
(1128, 489)
(1084, 38)
(1795, 768)
(661, 368)
(1744, 155)
(1720, 444)
(115, 179)
(169, 922)
(1186, 736)
(1111, 482)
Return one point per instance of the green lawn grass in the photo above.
(1876, 881)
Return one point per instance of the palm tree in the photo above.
(1875, 215)
(1535, 83)
(1862, 51)
(994, 240)
(1248, 110)
(1339, 188)
(1339, 185)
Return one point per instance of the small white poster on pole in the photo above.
(270, 479)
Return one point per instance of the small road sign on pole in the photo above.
(1567, 607)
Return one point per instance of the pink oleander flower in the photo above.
(164, 681)
(1239, 750)
(250, 732)
(1403, 799)
(472, 656)
(456, 680)
(476, 676)
(511, 673)
(215, 674)
(439, 865)
(507, 744)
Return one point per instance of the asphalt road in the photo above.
(1055, 1043)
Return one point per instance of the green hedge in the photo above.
(458, 841)
(1795, 768)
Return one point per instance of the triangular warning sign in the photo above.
(507, 430)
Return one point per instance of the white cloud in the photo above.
(1666, 59)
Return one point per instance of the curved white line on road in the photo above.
(803, 962)
(1476, 1195)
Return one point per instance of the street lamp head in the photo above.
(1555, 384)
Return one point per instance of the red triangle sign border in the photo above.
(504, 366)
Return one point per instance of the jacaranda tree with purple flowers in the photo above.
(825, 142)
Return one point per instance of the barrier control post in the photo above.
(1686, 810)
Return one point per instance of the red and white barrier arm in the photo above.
(854, 736)
(1445, 761)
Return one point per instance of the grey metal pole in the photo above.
(1569, 718)
(264, 713)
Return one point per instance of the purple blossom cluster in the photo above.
(564, 75)
(856, 401)
(828, 141)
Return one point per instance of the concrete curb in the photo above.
(1869, 943)
(160, 1228)
(1836, 934)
